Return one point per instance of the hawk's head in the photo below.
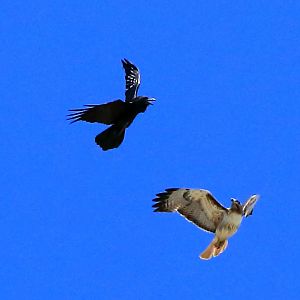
(236, 206)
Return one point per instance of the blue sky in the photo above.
(76, 222)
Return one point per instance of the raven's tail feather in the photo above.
(111, 138)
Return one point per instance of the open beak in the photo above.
(151, 100)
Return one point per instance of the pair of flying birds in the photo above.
(197, 206)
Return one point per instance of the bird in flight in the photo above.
(119, 114)
(201, 208)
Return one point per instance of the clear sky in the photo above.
(76, 222)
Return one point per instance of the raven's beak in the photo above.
(150, 100)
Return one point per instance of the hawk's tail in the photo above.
(215, 248)
(111, 138)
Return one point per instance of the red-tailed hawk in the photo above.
(202, 209)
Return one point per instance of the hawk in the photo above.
(119, 114)
(201, 208)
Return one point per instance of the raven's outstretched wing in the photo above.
(197, 206)
(132, 78)
(108, 113)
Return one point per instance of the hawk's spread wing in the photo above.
(198, 206)
(132, 78)
(108, 113)
(249, 205)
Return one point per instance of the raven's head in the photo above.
(146, 100)
(236, 206)
(142, 102)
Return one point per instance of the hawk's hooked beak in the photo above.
(150, 100)
(233, 200)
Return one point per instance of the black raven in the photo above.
(117, 113)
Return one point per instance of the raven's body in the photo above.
(113, 136)
(117, 113)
